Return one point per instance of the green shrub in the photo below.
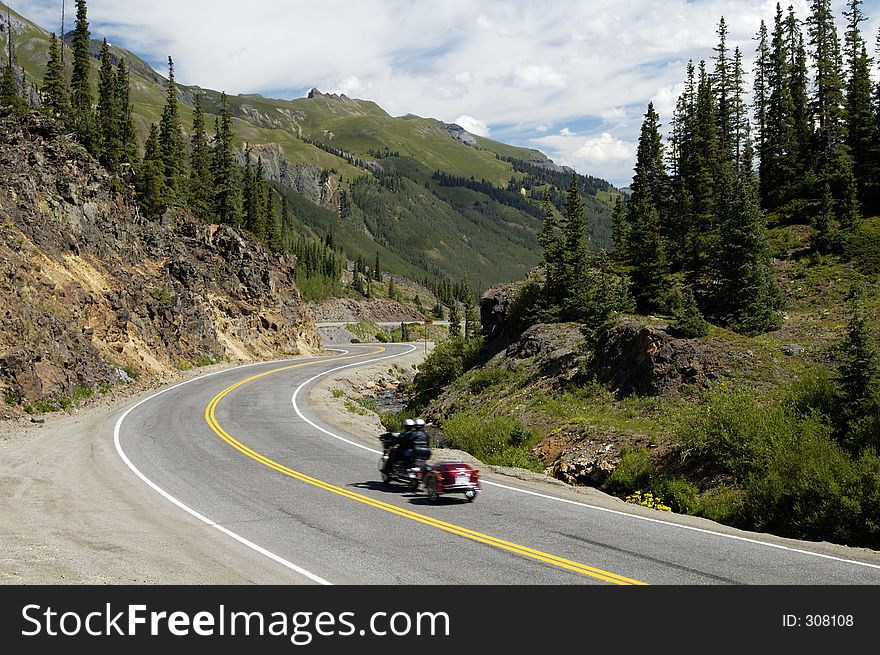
(446, 363)
(486, 378)
(722, 504)
(863, 246)
(814, 391)
(678, 493)
(735, 433)
(499, 440)
(633, 473)
(81, 394)
(806, 490)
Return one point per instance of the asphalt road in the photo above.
(231, 449)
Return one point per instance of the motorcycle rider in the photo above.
(401, 445)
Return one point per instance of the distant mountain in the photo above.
(369, 178)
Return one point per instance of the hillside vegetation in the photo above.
(372, 172)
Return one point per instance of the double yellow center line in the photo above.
(451, 528)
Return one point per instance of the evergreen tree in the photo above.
(723, 86)
(689, 321)
(858, 378)
(286, 220)
(748, 295)
(739, 116)
(392, 289)
(471, 321)
(761, 104)
(274, 239)
(171, 142)
(107, 123)
(151, 175)
(82, 118)
(861, 128)
(650, 178)
(551, 250)
(9, 89)
(225, 172)
(55, 98)
(647, 258)
(779, 156)
(620, 229)
(573, 240)
(200, 192)
(826, 235)
(128, 146)
(829, 141)
(377, 270)
(454, 321)
(801, 124)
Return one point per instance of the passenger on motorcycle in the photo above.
(421, 446)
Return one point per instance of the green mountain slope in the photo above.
(373, 173)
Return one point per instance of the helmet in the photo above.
(409, 424)
(420, 423)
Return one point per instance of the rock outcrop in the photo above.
(90, 287)
(636, 358)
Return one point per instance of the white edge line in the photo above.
(189, 510)
(565, 500)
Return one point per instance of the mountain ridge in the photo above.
(325, 136)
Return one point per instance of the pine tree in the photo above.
(647, 258)
(761, 106)
(55, 98)
(801, 124)
(392, 289)
(81, 113)
(9, 89)
(286, 221)
(128, 146)
(619, 229)
(171, 142)
(748, 295)
(454, 321)
(829, 141)
(689, 321)
(551, 249)
(151, 176)
(858, 378)
(377, 270)
(573, 239)
(224, 170)
(778, 158)
(650, 178)
(739, 116)
(200, 194)
(9, 92)
(722, 84)
(274, 240)
(861, 128)
(260, 195)
(107, 118)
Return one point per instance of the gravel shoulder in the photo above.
(75, 514)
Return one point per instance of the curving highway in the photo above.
(241, 451)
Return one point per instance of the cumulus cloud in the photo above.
(510, 62)
(602, 152)
(473, 125)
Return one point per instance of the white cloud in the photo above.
(541, 127)
(473, 125)
(602, 152)
(510, 62)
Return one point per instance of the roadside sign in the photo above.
(429, 321)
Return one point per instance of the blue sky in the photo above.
(569, 77)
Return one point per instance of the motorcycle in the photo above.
(401, 470)
(438, 479)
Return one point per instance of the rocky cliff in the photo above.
(92, 291)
